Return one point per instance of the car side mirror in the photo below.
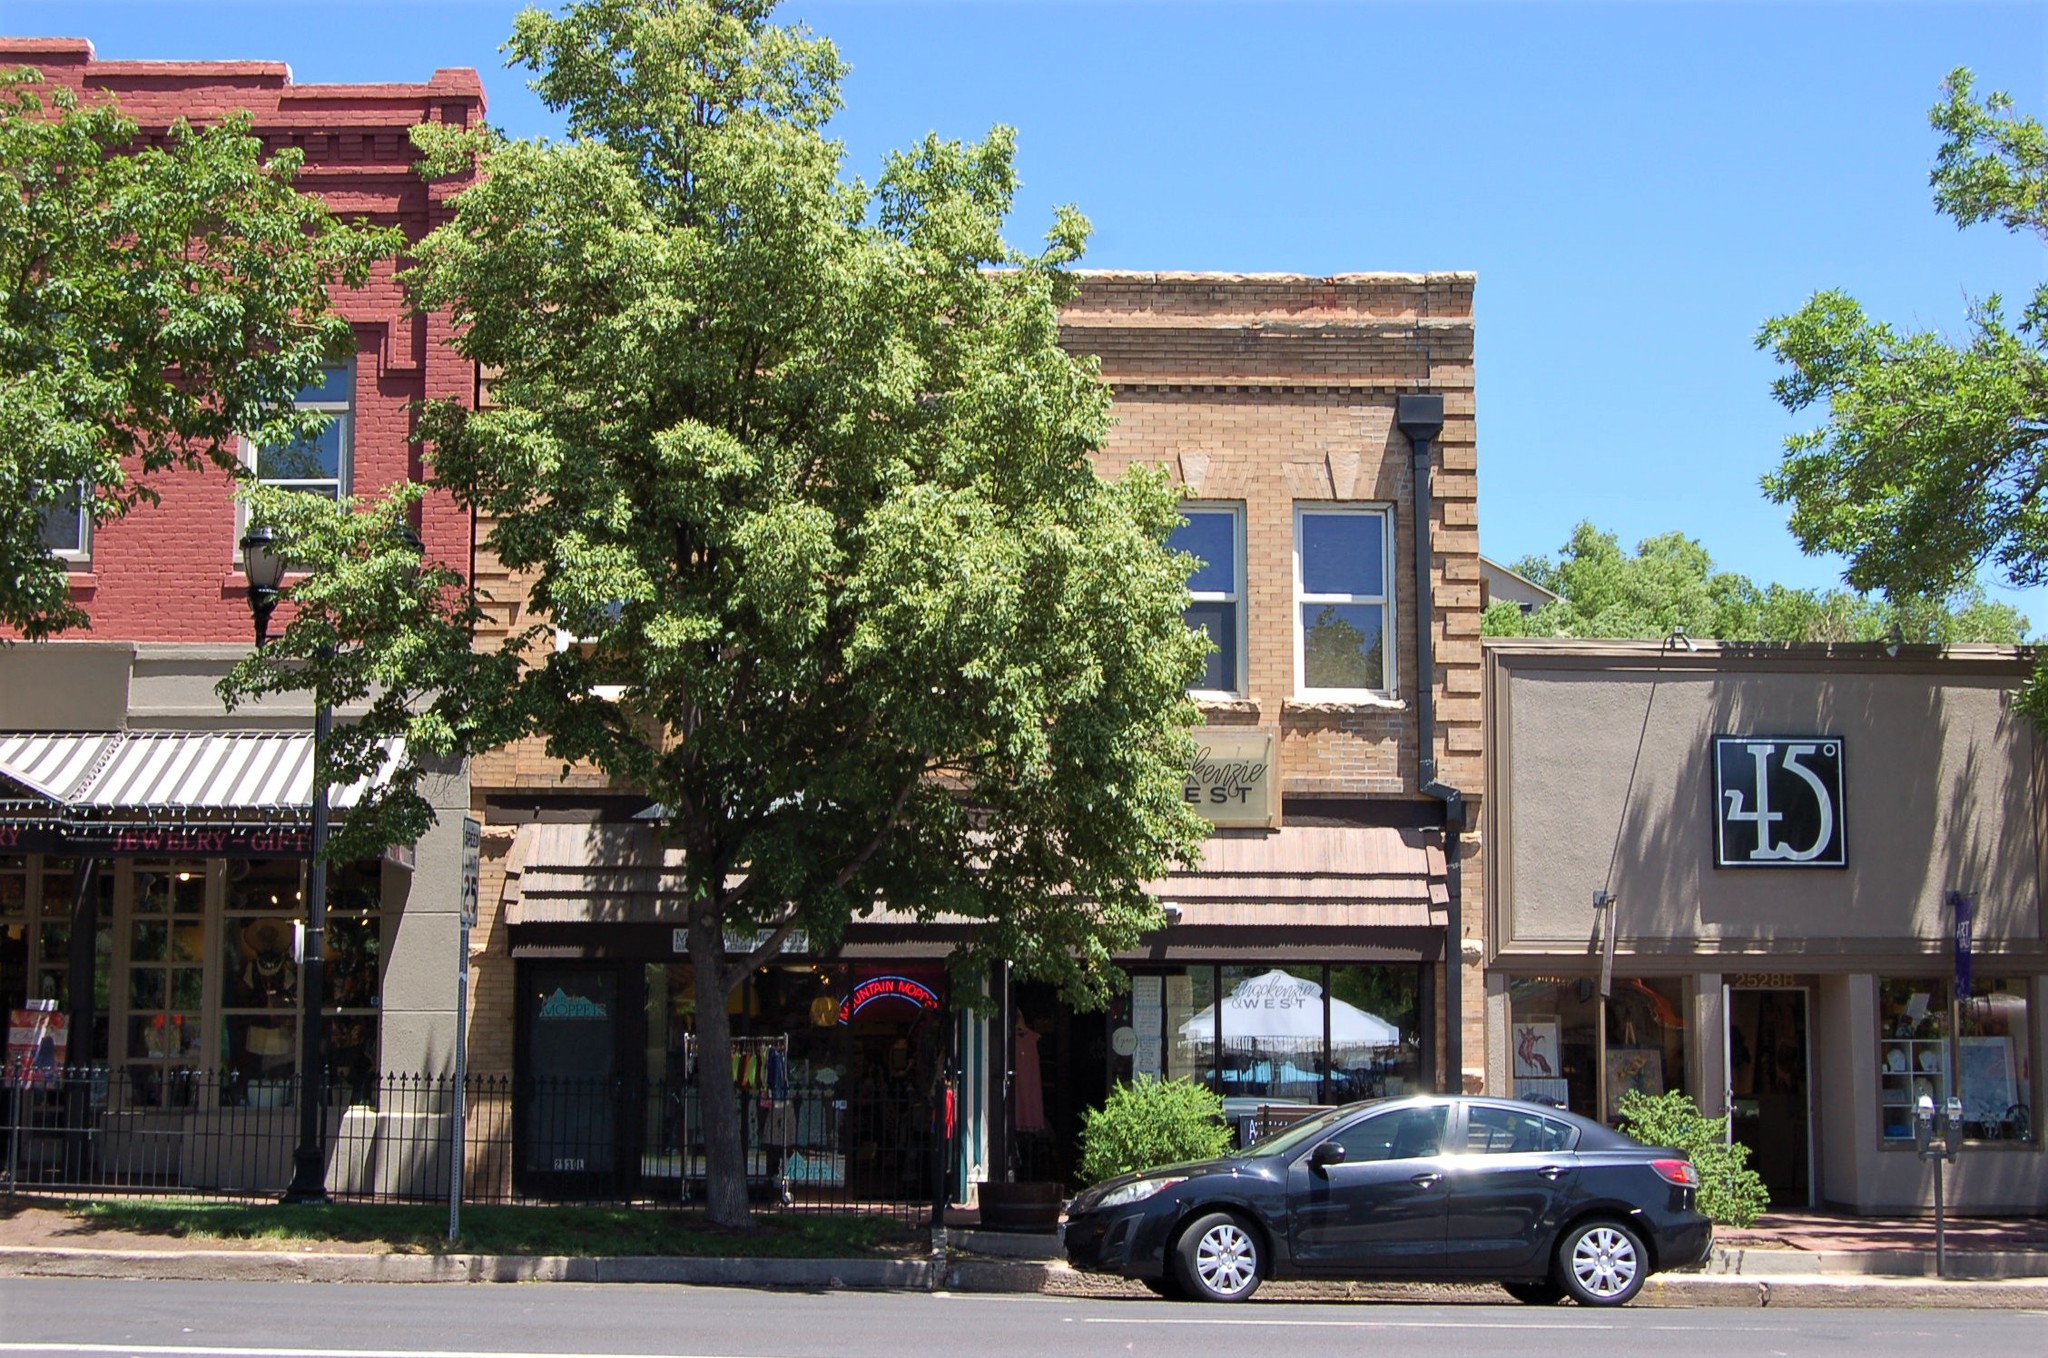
(1327, 1154)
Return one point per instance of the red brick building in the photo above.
(170, 572)
(152, 847)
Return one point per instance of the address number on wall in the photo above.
(1763, 980)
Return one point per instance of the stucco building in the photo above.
(1803, 884)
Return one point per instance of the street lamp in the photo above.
(265, 567)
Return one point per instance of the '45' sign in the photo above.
(1779, 802)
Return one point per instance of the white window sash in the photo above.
(1389, 658)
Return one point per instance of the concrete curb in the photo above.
(971, 1274)
(1886, 1263)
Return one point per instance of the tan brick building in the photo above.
(1306, 958)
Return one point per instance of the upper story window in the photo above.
(318, 465)
(1343, 635)
(1214, 535)
(67, 528)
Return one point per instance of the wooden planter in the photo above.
(1027, 1207)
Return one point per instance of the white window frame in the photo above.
(344, 413)
(1390, 658)
(83, 551)
(1235, 509)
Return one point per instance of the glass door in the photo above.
(1770, 1089)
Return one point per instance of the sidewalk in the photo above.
(1803, 1260)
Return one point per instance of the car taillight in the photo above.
(1678, 1172)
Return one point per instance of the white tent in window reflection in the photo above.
(1281, 1015)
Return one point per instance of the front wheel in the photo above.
(1218, 1258)
(1602, 1263)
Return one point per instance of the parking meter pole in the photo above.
(1940, 1219)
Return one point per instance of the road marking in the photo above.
(242, 1351)
(1524, 1325)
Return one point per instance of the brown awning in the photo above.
(1295, 877)
(1312, 875)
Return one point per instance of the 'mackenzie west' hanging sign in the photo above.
(1778, 802)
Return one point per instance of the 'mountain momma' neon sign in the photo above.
(887, 988)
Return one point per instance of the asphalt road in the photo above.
(49, 1318)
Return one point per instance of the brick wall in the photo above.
(170, 572)
(1276, 391)
(1260, 389)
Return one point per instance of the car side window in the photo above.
(1502, 1131)
(1403, 1134)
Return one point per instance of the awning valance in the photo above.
(266, 775)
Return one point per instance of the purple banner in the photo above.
(1964, 911)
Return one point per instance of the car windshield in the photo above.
(1302, 1133)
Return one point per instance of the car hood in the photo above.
(1227, 1164)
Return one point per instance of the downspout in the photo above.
(1422, 418)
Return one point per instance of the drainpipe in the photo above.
(1422, 418)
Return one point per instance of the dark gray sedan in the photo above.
(1434, 1189)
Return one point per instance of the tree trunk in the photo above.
(724, 1149)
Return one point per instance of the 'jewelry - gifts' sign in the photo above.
(1232, 781)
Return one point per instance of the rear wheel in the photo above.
(1218, 1258)
(1534, 1294)
(1602, 1263)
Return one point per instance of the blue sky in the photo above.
(1638, 186)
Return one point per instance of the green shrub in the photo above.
(1730, 1191)
(1152, 1122)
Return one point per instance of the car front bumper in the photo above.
(1127, 1241)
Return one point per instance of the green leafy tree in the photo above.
(1149, 1123)
(156, 303)
(1730, 1191)
(802, 465)
(1933, 461)
(1670, 581)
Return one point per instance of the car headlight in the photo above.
(1136, 1191)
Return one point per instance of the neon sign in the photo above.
(887, 988)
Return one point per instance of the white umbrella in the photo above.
(1279, 1011)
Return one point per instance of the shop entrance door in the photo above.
(569, 1095)
(1770, 1087)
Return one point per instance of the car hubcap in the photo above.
(1604, 1262)
(1226, 1260)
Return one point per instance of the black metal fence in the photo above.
(113, 1132)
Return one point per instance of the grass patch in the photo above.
(513, 1230)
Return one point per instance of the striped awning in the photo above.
(266, 773)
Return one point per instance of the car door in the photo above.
(1381, 1208)
(1506, 1189)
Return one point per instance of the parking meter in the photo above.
(1940, 1140)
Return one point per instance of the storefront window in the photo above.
(1976, 1048)
(166, 989)
(1375, 1033)
(1994, 1061)
(1310, 1034)
(1553, 1042)
(1645, 1039)
(259, 980)
(354, 949)
(1174, 1021)
(35, 945)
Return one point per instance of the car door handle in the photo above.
(1554, 1172)
(1427, 1180)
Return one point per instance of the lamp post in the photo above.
(265, 567)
